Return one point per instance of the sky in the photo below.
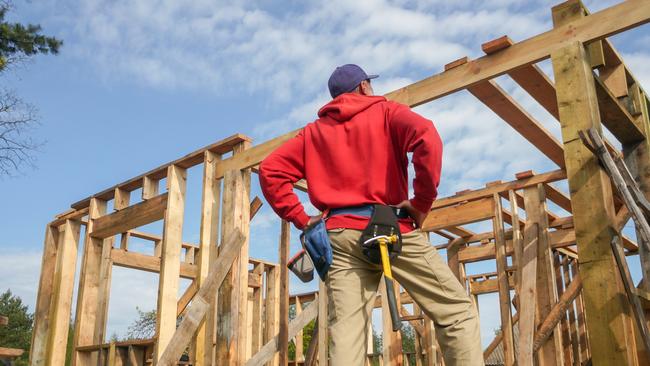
(139, 84)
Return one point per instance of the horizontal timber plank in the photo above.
(187, 161)
(148, 263)
(11, 352)
(463, 213)
(599, 25)
(131, 217)
(549, 177)
(488, 286)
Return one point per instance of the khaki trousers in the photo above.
(352, 283)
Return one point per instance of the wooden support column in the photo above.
(256, 314)
(283, 334)
(170, 258)
(573, 324)
(580, 309)
(85, 317)
(504, 286)
(516, 239)
(44, 298)
(298, 340)
(66, 265)
(593, 208)
(203, 342)
(637, 159)
(564, 322)
(323, 329)
(272, 308)
(551, 352)
(233, 294)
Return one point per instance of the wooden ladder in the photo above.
(639, 209)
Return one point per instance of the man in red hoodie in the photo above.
(355, 154)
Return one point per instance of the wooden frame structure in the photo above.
(556, 270)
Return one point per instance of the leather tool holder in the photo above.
(382, 222)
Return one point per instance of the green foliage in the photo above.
(144, 327)
(18, 333)
(18, 40)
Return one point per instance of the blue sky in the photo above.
(141, 83)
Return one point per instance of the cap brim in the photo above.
(373, 76)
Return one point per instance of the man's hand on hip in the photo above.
(417, 215)
(313, 220)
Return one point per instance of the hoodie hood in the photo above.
(347, 105)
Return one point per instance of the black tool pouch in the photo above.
(382, 222)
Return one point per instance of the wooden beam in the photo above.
(602, 24)
(283, 334)
(87, 307)
(10, 352)
(233, 294)
(463, 213)
(148, 263)
(203, 342)
(593, 206)
(495, 98)
(131, 217)
(66, 265)
(170, 259)
(41, 328)
(323, 332)
(548, 177)
(504, 286)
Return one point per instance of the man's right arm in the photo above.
(278, 172)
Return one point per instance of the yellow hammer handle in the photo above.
(385, 259)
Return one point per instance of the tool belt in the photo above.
(383, 221)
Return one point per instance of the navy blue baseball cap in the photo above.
(345, 78)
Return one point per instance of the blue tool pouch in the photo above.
(317, 243)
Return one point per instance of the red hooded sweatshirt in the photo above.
(355, 154)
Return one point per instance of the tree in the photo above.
(144, 327)
(18, 333)
(18, 43)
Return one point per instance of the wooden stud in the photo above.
(257, 309)
(233, 295)
(516, 240)
(592, 203)
(42, 320)
(87, 296)
(299, 357)
(272, 308)
(573, 321)
(283, 333)
(323, 318)
(203, 342)
(63, 283)
(504, 287)
(170, 259)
